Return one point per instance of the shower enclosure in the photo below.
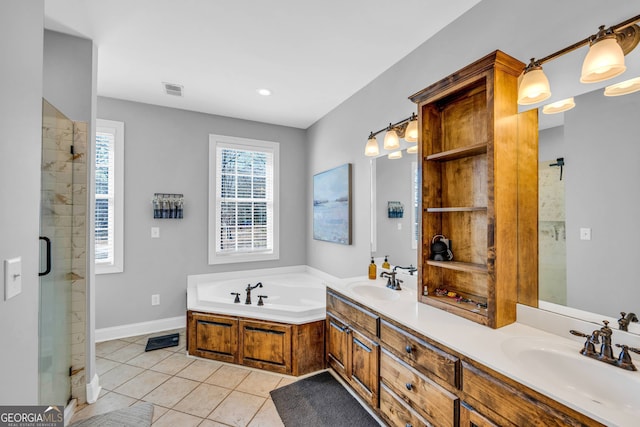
(62, 258)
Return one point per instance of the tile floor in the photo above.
(185, 391)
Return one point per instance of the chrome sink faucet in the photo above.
(606, 351)
(249, 288)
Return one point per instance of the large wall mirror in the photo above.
(599, 195)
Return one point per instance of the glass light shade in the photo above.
(623, 88)
(411, 133)
(604, 60)
(372, 149)
(391, 141)
(559, 106)
(412, 149)
(395, 155)
(534, 87)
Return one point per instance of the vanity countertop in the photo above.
(491, 347)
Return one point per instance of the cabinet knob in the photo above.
(409, 386)
(408, 349)
(408, 425)
(347, 330)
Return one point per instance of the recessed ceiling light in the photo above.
(264, 92)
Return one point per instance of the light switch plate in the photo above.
(155, 232)
(585, 234)
(12, 277)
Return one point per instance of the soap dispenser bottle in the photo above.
(385, 264)
(372, 270)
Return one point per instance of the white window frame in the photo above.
(117, 129)
(252, 145)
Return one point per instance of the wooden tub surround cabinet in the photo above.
(278, 347)
(409, 379)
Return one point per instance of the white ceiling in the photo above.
(311, 55)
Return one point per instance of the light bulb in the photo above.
(623, 88)
(534, 87)
(391, 141)
(372, 149)
(604, 60)
(559, 106)
(411, 133)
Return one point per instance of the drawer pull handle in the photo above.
(409, 386)
(347, 331)
(408, 349)
(408, 425)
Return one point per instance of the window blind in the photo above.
(104, 229)
(244, 200)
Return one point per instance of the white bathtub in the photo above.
(295, 295)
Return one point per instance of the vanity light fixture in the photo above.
(623, 88)
(412, 149)
(604, 60)
(395, 131)
(395, 155)
(559, 106)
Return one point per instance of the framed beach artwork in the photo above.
(332, 205)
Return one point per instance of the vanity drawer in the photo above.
(420, 354)
(516, 405)
(428, 398)
(396, 412)
(352, 313)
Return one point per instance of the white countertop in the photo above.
(487, 346)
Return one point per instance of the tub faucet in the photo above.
(625, 319)
(249, 288)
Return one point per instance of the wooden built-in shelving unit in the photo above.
(470, 138)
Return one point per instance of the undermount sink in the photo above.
(563, 367)
(375, 292)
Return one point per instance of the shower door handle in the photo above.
(48, 256)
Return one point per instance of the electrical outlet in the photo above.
(585, 234)
(155, 299)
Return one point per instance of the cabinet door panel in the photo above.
(266, 344)
(337, 346)
(364, 367)
(470, 418)
(216, 337)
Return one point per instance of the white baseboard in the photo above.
(69, 410)
(93, 389)
(124, 331)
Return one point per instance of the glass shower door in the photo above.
(56, 202)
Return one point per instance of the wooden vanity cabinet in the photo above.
(498, 399)
(352, 350)
(470, 140)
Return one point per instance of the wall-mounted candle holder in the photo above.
(395, 209)
(168, 205)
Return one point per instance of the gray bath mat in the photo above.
(133, 416)
(319, 401)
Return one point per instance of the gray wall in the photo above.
(394, 183)
(68, 74)
(601, 182)
(166, 151)
(521, 29)
(20, 142)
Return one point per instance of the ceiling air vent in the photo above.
(173, 89)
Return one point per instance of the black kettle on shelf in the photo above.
(441, 248)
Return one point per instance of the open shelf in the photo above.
(459, 266)
(459, 209)
(458, 153)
